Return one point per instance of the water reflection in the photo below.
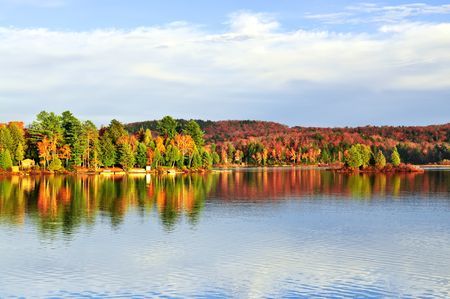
(64, 203)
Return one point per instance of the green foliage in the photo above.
(107, 151)
(126, 156)
(193, 129)
(380, 160)
(395, 157)
(141, 155)
(157, 158)
(207, 160)
(148, 139)
(167, 127)
(353, 158)
(116, 130)
(172, 155)
(366, 154)
(196, 160)
(5, 160)
(6, 141)
(19, 154)
(215, 158)
(47, 124)
(55, 164)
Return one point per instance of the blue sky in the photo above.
(321, 63)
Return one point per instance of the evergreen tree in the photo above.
(196, 160)
(167, 127)
(107, 151)
(126, 156)
(207, 160)
(193, 129)
(72, 129)
(395, 157)
(141, 155)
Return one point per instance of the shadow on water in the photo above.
(64, 203)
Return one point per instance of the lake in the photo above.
(250, 233)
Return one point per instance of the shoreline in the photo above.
(406, 168)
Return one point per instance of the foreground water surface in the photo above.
(246, 233)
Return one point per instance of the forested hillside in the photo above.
(279, 143)
(55, 142)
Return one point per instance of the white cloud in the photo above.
(374, 13)
(184, 70)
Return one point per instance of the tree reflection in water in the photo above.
(65, 203)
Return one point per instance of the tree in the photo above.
(148, 138)
(55, 165)
(116, 130)
(172, 155)
(72, 129)
(167, 127)
(6, 141)
(196, 160)
(141, 155)
(107, 151)
(380, 160)
(65, 153)
(366, 154)
(20, 154)
(353, 157)
(126, 156)
(44, 149)
(5, 160)
(193, 129)
(207, 160)
(395, 157)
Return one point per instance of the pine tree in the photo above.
(141, 155)
(126, 157)
(107, 151)
(193, 129)
(207, 160)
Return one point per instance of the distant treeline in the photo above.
(56, 142)
(261, 142)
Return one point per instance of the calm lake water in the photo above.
(247, 234)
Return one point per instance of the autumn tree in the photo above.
(380, 160)
(395, 157)
(353, 157)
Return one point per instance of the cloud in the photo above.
(374, 13)
(253, 69)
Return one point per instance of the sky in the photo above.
(308, 63)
